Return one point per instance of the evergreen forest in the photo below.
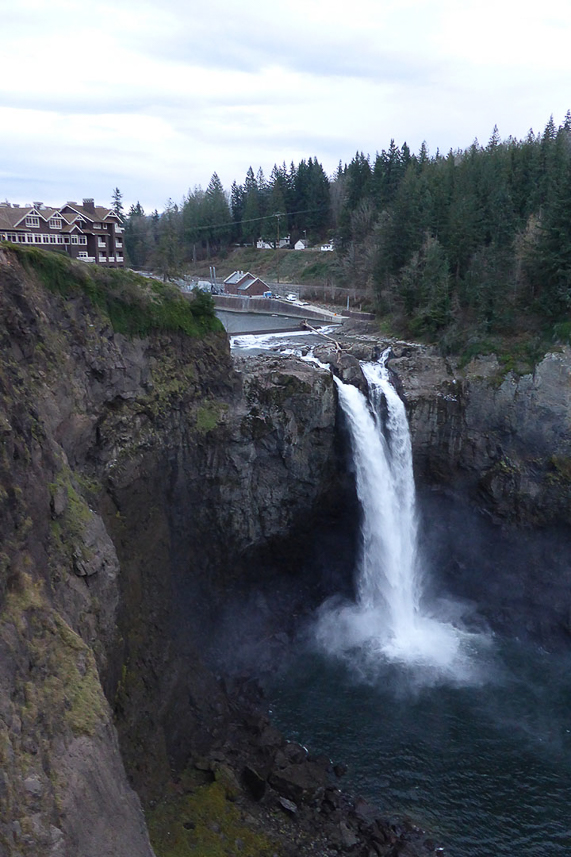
(469, 244)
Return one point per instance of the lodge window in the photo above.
(32, 221)
(56, 223)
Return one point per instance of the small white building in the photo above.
(327, 248)
(267, 245)
(302, 244)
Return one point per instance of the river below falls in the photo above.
(485, 767)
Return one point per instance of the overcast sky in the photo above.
(153, 96)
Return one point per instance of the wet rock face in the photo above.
(280, 459)
(346, 367)
(504, 440)
(129, 470)
(498, 449)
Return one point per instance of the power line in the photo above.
(256, 219)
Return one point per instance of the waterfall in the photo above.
(389, 617)
(385, 486)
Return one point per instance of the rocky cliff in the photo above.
(137, 475)
(498, 447)
(501, 438)
(504, 438)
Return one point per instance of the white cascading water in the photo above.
(389, 619)
(388, 616)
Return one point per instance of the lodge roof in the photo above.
(13, 216)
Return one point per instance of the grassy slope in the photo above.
(135, 305)
(289, 266)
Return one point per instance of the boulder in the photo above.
(302, 783)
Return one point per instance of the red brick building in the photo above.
(89, 232)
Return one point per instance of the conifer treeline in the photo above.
(482, 233)
(208, 221)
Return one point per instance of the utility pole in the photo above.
(277, 216)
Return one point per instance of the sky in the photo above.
(154, 96)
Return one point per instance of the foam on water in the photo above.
(270, 340)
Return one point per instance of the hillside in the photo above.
(309, 267)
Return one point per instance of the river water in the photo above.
(485, 767)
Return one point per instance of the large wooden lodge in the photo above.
(87, 232)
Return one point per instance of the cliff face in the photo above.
(500, 447)
(492, 454)
(504, 439)
(501, 439)
(130, 470)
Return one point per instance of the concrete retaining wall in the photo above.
(270, 306)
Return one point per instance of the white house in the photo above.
(302, 244)
(267, 245)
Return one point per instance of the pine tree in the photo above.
(549, 264)
(237, 207)
(117, 204)
(138, 242)
(193, 234)
(167, 257)
(216, 215)
(252, 208)
(272, 225)
(426, 288)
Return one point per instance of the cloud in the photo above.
(155, 97)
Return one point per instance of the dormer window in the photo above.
(56, 223)
(32, 221)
